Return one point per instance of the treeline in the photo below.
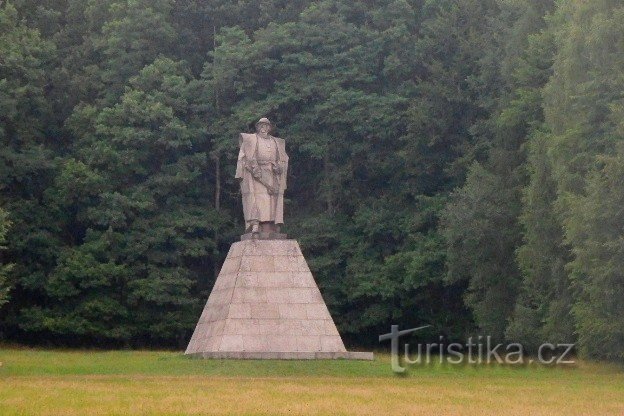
(458, 163)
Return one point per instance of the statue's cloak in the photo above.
(254, 192)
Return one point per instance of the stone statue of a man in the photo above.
(261, 169)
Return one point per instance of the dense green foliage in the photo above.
(455, 163)
(5, 283)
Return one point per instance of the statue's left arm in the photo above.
(283, 163)
(240, 164)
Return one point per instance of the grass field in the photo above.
(56, 382)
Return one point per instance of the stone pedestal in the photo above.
(264, 236)
(265, 304)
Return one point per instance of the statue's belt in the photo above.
(266, 162)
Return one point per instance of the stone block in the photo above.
(263, 236)
(204, 330)
(219, 312)
(243, 327)
(265, 304)
(249, 295)
(217, 328)
(236, 250)
(255, 343)
(302, 279)
(290, 326)
(332, 343)
(257, 264)
(281, 343)
(225, 281)
(290, 264)
(231, 327)
(231, 265)
(308, 343)
(275, 279)
(274, 248)
(220, 297)
(263, 355)
(299, 295)
(264, 311)
(360, 355)
(313, 327)
(263, 248)
(305, 295)
(304, 355)
(278, 295)
(208, 314)
(317, 311)
(204, 316)
(240, 311)
(231, 343)
(294, 250)
(268, 327)
(207, 343)
(315, 295)
(192, 346)
(302, 265)
(292, 311)
(247, 279)
(294, 355)
(330, 328)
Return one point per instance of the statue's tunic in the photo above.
(263, 195)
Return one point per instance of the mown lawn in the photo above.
(56, 382)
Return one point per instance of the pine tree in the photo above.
(5, 282)
(27, 166)
(583, 113)
(482, 220)
(136, 203)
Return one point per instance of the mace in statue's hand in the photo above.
(272, 191)
(255, 169)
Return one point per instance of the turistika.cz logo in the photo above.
(477, 350)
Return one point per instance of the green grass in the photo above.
(154, 363)
(50, 382)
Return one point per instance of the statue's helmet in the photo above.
(264, 120)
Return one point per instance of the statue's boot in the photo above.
(255, 227)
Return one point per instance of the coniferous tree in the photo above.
(5, 282)
(140, 214)
(27, 165)
(454, 162)
(482, 220)
(583, 113)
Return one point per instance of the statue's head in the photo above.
(264, 126)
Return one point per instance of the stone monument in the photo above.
(261, 168)
(265, 303)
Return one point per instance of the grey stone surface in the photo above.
(262, 168)
(264, 236)
(253, 355)
(265, 304)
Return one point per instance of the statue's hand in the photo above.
(256, 171)
(277, 169)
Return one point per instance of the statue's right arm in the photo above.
(253, 167)
(241, 162)
(244, 163)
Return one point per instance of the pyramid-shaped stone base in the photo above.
(265, 304)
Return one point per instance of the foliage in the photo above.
(455, 163)
(583, 104)
(5, 283)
